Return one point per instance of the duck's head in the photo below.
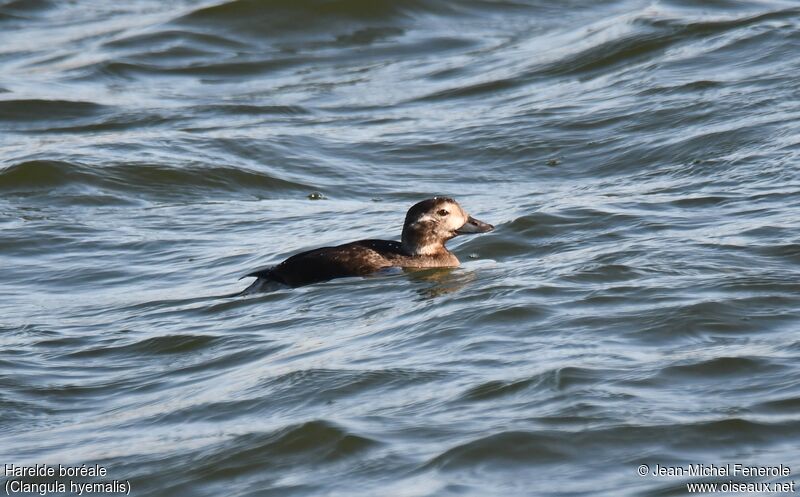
(430, 223)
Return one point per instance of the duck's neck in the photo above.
(416, 243)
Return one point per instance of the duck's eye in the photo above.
(443, 212)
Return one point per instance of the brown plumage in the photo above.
(428, 226)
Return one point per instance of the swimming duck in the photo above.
(428, 226)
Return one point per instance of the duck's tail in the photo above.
(260, 286)
(265, 282)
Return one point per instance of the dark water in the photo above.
(638, 303)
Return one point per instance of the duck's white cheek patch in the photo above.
(454, 221)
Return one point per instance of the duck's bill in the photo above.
(474, 226)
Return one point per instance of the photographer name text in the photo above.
(729, 469)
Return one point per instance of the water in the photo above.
(638, 303)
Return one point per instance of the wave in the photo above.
(602, 48)
(169, 344)
(268, 455)
(729, 367)
(257, 66)
(316, 441)
(40, 109)
(263, 15)
(23, 9)
(525, 447)
(146, 179)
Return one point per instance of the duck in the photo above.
(428, 225)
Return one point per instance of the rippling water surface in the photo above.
(638, 303)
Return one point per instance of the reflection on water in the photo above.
(442, 280)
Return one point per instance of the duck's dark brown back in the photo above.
(351, 259)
